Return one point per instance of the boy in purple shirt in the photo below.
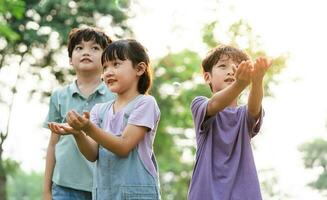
(224, 168)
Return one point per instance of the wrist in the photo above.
(257, 83)
(241, 85)
(86, 128)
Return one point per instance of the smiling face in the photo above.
(86, 57)
(121, 76)
(222, 73)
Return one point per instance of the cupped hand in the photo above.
(243, 73)
(77, 121)
(260, 68)
(62, 129)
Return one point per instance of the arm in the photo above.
(256, 93)
(49, 166)
(121, 146)
(86, 145)
(225, 97)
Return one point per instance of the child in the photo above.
(119, 134)
(224, 168)
(68, 175)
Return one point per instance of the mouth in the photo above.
(229, 80)
(86, 60)
(110, 81)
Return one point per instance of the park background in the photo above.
(290, 152)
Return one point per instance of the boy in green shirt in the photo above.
(68, 175)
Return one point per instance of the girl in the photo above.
(119, 134)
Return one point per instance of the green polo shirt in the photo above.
(72, 169)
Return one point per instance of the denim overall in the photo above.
(118, 178)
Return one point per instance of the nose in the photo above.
(108, 71)
(232, 70)
(86, 51)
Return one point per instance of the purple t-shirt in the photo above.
(145, 113)
(224, 168)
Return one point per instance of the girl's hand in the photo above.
(261, 66)
(62, 129)
(243, 73)
(77, 121)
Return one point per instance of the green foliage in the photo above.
(314, 157)
(24, 185)
(269, 185)
(173, 73)
(45, 25)
(10, 9)
(10, 166)
(240, 33)
(33, 35)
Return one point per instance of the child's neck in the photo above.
(123, 99)
(87, 84)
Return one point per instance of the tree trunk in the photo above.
(3, 178)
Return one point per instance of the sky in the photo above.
(296, 114)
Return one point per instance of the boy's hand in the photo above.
(62, 129)
(261, 66)
(243, 73)
(77, 121)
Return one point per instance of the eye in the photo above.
(116, 64)
(78, 48)
(105, 68)
(96, 48)
(222, 66)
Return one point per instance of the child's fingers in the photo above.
(56, 129)
(72, 119)
(240, 68)
(50, 125)
(86, 115)
(68, 129)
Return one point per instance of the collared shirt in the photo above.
(71, 168)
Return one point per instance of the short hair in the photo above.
(77, 35)
(218, 52)
(135, 52)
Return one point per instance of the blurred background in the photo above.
(291, 150)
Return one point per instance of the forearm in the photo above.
(255, 99)
(112, 143)
(49, 166)
(50, 162)
(224, 98)
(87, 146)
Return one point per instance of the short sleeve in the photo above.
(94, 114)
(199, 109)
(254, 125)
(146, 113)
(54, 110)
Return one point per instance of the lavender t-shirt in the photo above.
(145, 113)
(224, 168)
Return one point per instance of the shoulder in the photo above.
(148, 102)
(198, 101)
(60, 93)
(100, 106)
(147, 98)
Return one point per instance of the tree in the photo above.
(8, 9)
(34, 36)
(23, 185)
(314, 157)
(176, 83)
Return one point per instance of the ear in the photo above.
(70, 61)
(207, 77)
(140, 68)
